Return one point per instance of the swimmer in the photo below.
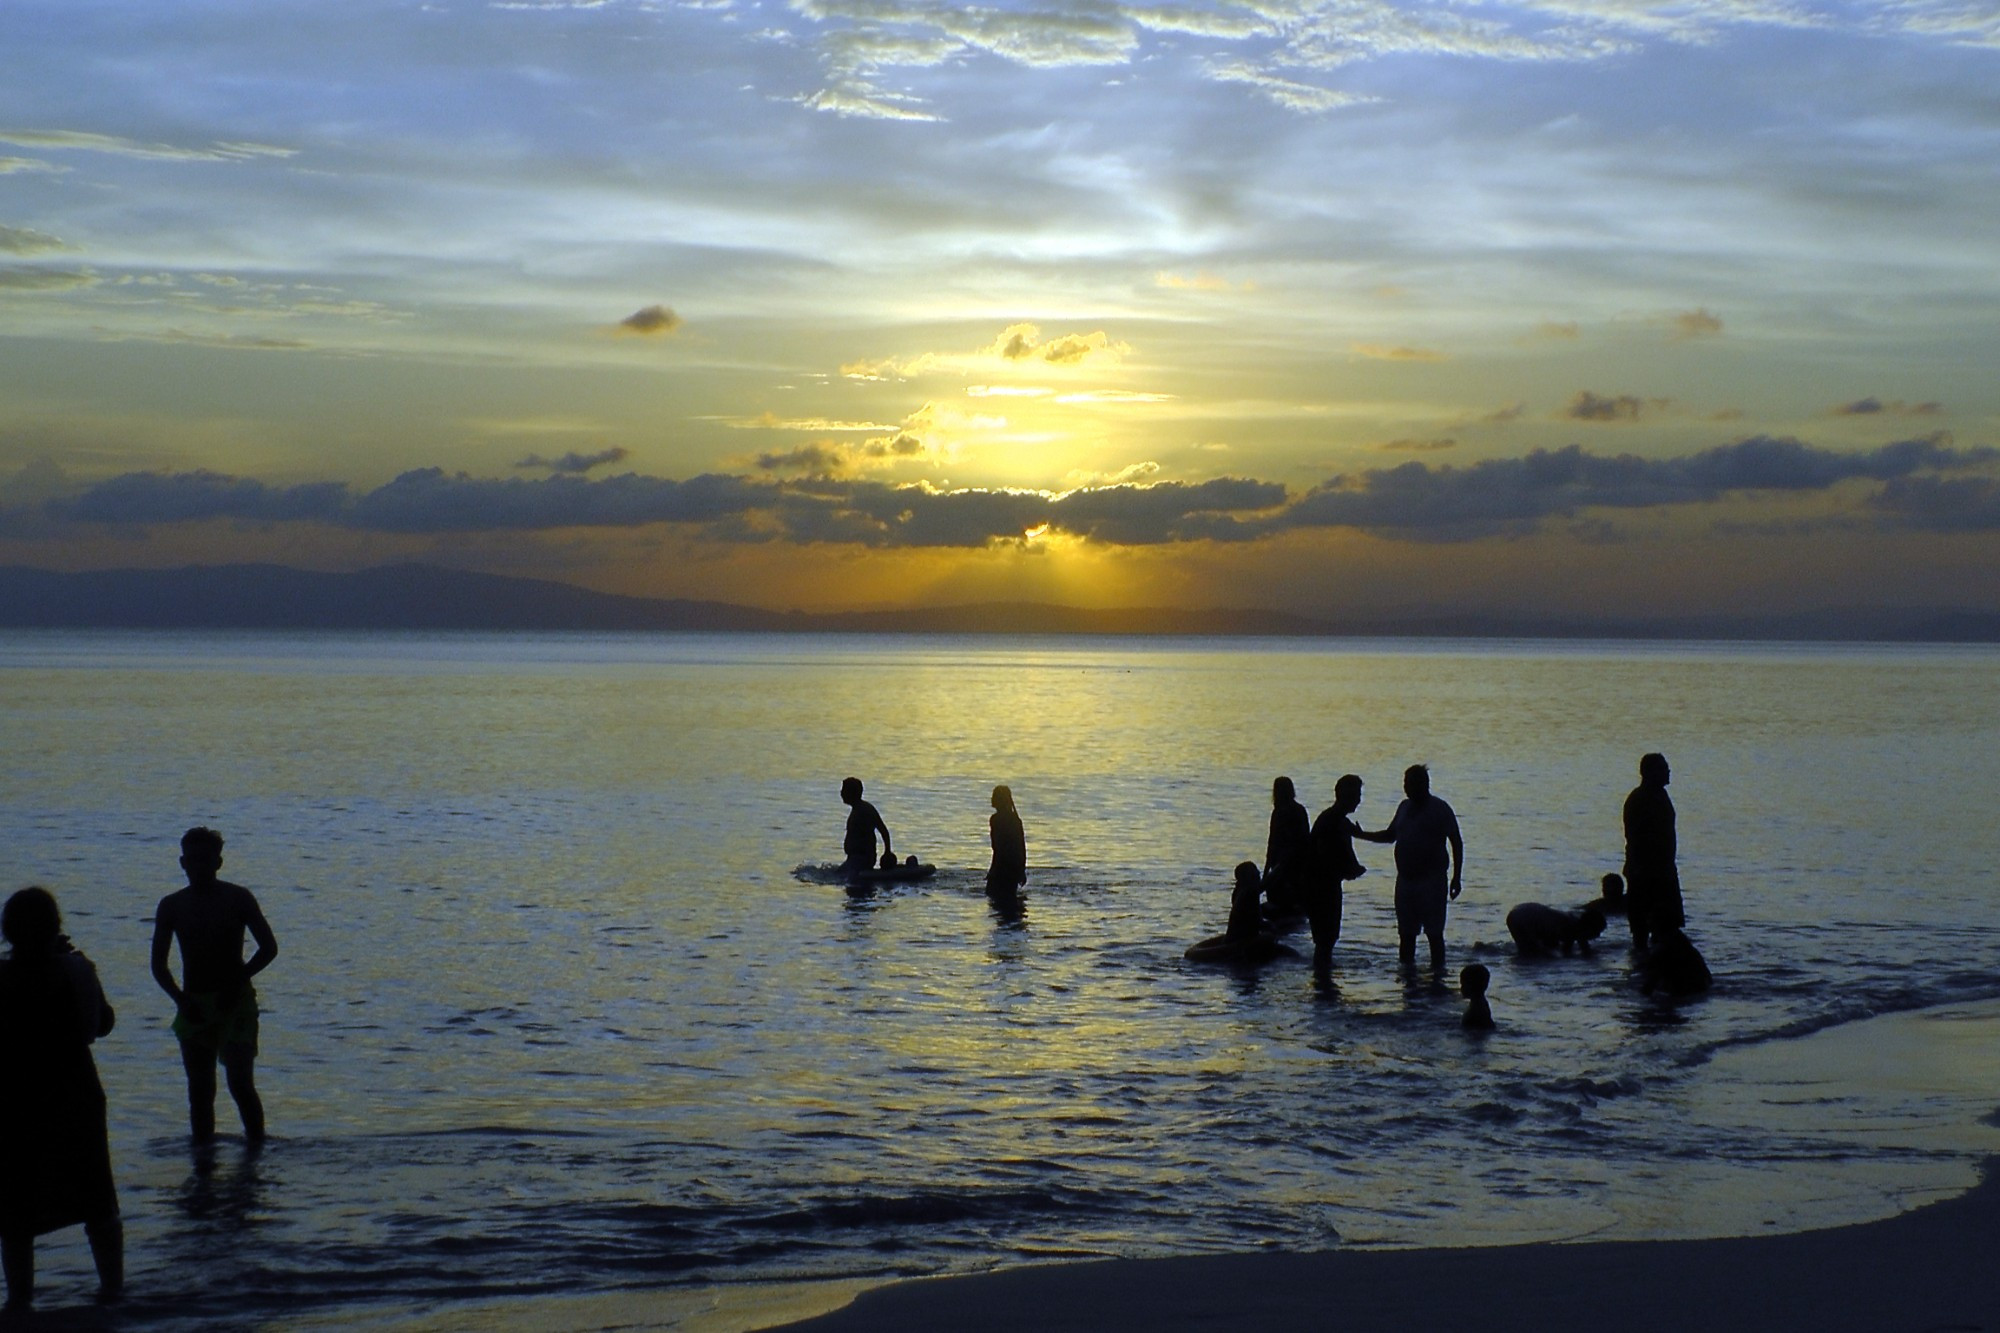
(1472, 982)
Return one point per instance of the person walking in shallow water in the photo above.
(1330, 863)
(1422, 828)
(55, 1155)
(216, 1004)
(1652, 879)
(1009, 870)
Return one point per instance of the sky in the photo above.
(1576, 307)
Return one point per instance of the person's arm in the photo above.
(887, 845)
(267, 942)
(1388, 834)
(1457, 858)
(163, 941)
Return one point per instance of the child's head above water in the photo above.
(889, 860)
(1612, 888)
(1472, 981)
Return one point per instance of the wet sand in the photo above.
(1930, 1269)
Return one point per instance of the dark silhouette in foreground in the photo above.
(1009, 870)
(1611, 895)
(1539, 929)
(216, 1004)
(863, 822)
(55, 1154)
(1330, 863)
(1287, 851)
(1472, 982)
(1673, 966)
(1422, 829)
(1652, 880)
(1245, 940)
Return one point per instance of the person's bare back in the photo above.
(209, 922)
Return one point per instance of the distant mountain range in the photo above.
(427, 597)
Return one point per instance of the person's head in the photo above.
(1282, 791)
(1003, 798)
(1347, 792)
(850, 790)
(911, 861)
(201, 852)
(1592, 919)
(1612, 888)
(889, 860)
(1248, 876)
(1472, 981)
(31, 921)
(1416, 782)
(1653, 770)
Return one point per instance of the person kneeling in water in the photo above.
(1540, 929)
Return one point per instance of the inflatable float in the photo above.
(1259, 948)
(893, 875)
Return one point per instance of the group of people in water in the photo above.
(55, 1153)
(1308, 862)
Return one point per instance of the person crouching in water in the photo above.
(55, 1156)
(1330, 862)
(863, 821)
(1009, 870)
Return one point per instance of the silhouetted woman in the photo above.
(1009, 870)
(55, 1157)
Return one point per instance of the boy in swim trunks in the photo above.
(217, 1017)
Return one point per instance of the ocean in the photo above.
(565, 1005)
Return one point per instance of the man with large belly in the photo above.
(1423, 829)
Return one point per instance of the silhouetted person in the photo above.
(1422, 829)
(1009, 870)
(1611, 895)
(1673, 965)
(1540, 929)
(1472, 982)
(1287, 849)
(217, 1018)
(863, 822)
(55, 1156)
(1246, 917)
(1652, 881)
(1330, 863)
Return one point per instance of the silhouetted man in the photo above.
(217, 1005)
(1422, 829)
(863, 821)
(1332, 862)
(1652, 880)
(1287, 848)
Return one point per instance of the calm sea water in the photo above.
(554, 1012)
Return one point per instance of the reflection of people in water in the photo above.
(1540, 929)
(1652, 881)
(1287, 849)
(1009, 870)
(1422, 828)
(1673, 965)
(1472, 983)
(217, 1004)
(863, 822)
(55, 1156)
(1331, 861)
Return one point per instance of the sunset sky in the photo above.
(1594, 306)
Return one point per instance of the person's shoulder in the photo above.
(172, 902)
(238, 895)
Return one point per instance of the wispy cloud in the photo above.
(1895, 407)
(576, 464)
(27, 241)
(650, 321)
(85, 142)
(1396, 352)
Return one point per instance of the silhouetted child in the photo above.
(1674, 965)
(1611, 895)
(1472, 981)
(889, 861)
(1540, 929)
(1246, 918)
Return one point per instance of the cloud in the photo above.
(772, 421)
(1588, 406)
(1023, 342)
(1288, 93)
(1938, 504)
(26, 241)
(1505, 495)
(1136, 472)
(1112, 396)
(1380, 352)
(653, 319)
(1558, 332)
(1006, 391)
(1689, 324)
(181, 497)
(577, 463)
(1418, 446)
(25, 279)
(1871, 406)
(13, 164)
(79, 141)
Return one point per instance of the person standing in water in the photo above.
(1652, 880)
(1009, 870)
(1287, 850)
(863, 822)
(1330, 863)
(217, 1018)
(1423, 827)
(55, 1154)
